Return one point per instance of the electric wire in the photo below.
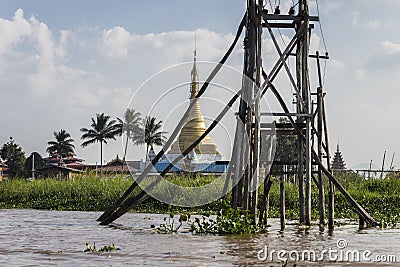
(323, 41)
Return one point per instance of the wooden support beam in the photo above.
(320, 99)
(321, 192)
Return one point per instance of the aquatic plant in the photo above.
(169, 226)
(106, 248)
(227, 221)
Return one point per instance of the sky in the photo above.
(61, 62)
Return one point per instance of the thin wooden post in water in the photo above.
(331, 194)
(319, 136)
(264, 209)
(361, 222)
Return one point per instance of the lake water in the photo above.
(55, 238)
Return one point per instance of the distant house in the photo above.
(117, 165)
(69, 162)
(64, 168)
(3, 170)
(60, 172)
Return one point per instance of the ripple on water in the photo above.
(54, 238)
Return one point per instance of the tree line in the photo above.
(140, 131)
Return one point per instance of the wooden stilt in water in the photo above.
(319, 137)
(361, 222)
(264, 208)
(331, 194)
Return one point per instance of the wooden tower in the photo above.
(307, 123)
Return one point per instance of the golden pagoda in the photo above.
(195, 126)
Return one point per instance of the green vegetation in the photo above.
(106, 248)
(381, 198)
(102, 129)
(152, 134)
(36, 158)
(169, 226)
(14, 157)
(227, 221)
(62, 145)
(130, 125)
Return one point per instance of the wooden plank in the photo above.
(296, 18)
(313, 56)
(279, 25)
(283, 114)
(282, 125)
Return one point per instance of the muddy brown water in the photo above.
(57, 238)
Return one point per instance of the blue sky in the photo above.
(61, 62)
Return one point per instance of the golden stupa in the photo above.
(195, 125)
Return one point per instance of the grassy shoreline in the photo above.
(381, 198)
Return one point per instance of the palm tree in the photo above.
(152, 135)
(62, 146)
(131, 126)
(102, 129)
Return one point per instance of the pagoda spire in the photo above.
(195, 125)
(194, 86)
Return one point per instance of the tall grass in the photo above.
(381, 198)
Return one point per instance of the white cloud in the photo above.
(12, 32)
(360, 74)
(64, 74)
(355, 17)
(390, 47)
(116, 41)
(373, 24)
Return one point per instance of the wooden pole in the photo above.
(307, 100)
(391, 162)
(264, 209)
(383, 164)
(319, 133)
(331, 194)
(300, 142)
(282, 203)
(369, 171)
(256, 108)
